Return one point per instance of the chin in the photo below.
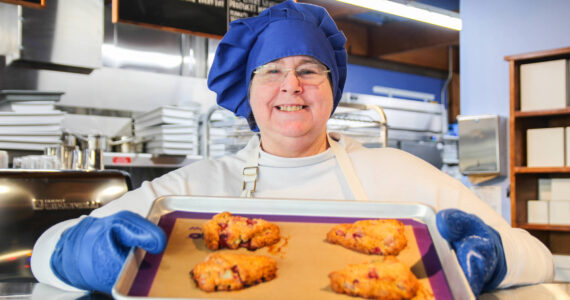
(293, 129)
(294, 133)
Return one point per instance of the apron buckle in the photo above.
(250, 174)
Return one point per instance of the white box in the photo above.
(561, 261)
(560, 189)
(568, 146)
(562, 268)
(561, 275)
(537, 212)
(544, 189)
(544, 85)
(559, 212)
(545, 147)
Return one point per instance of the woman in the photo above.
(284, 71)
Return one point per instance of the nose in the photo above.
(291, 83)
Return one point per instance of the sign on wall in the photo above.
(208, 18)
(29, 3)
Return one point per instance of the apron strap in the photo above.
(348, 170)
(251, 171)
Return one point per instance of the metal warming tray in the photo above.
(303, 256)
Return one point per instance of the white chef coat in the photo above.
(386, 174)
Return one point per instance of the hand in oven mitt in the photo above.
(91, 254)
(478, 247)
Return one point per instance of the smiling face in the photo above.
(291, 113)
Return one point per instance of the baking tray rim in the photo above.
(163, 205)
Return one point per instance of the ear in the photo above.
(251, 122)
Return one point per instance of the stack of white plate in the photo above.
(228, 134)
(29, 120)
(170, 130)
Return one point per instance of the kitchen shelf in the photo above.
(542, 113)
(534, 170)
(546, 227)
(524, 179)
(116, 159)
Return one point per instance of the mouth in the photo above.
(290, 107)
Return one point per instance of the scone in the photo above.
(227, 231)
(384, 278)
(233, 271)
(384, 237)
(423, 293)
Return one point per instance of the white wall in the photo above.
(493, 29)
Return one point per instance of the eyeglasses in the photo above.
(307, 74)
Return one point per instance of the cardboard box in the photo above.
(544, 189)
(545, 147)
(537, 212)
(544, 85)
(560, 189)
(559, 212)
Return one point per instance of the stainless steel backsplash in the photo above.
(73, 46)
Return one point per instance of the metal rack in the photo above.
(222, 133)
(409, 120)
(364, 122)
(413, 124)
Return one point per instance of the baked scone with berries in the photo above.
(383, 237)
(233, 271)
(423, 293)
(384, 278)
(227, 231)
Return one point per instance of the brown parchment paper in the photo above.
(303, 257)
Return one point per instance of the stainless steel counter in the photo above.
(38, 291)
(545, 291)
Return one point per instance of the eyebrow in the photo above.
(310, 60)
(303, 61)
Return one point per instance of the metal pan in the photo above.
(140, 277)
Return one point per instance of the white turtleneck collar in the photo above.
(270, 160)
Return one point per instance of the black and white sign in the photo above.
(201, 17)
(30, 3)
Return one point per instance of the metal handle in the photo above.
(383, 121)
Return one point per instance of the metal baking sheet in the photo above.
(28, 95)
(302, 255)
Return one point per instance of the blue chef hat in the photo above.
(286, 29)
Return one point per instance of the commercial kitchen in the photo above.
(100, 97)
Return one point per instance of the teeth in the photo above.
(290, 107)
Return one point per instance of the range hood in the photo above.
(65, 35)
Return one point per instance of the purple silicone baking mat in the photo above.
(149, 266)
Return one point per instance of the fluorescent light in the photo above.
(413, 11)
(4, 257)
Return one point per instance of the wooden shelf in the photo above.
(535, 170)
(542, 113)
(546, 227)
(524, 180)
(546, 54)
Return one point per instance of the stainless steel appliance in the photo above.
(65, 35)
(482, 148)
(32, 201)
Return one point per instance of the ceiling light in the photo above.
(415, 11)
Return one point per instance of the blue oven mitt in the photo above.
(478, 247)
(90, 255)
